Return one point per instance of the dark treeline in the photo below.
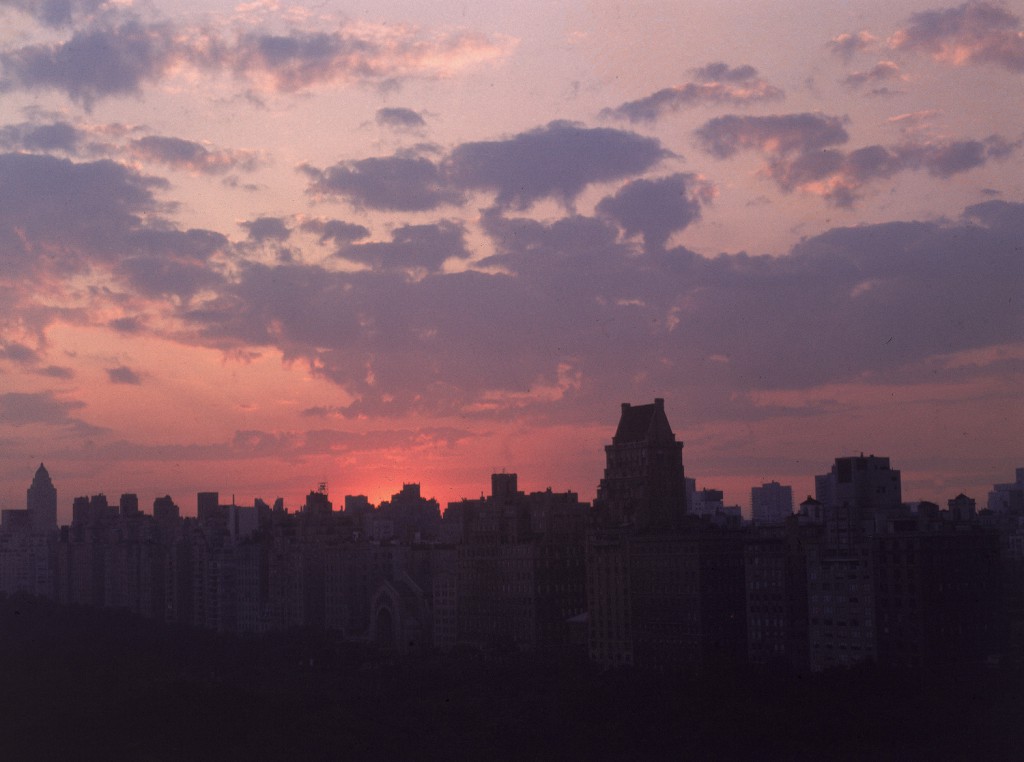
(83, 683)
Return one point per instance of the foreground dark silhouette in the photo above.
(87, 684)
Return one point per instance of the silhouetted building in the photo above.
(406, 517)
(41, 501)
(771, 503)
(1008, 497)
(962, 508)
(777, 594)
(664, 590)
(128, 505)
(643, 482)
(520, 569)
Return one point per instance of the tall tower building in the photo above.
(41, 502)
(643, 482)
(771, 503)
(867, 482)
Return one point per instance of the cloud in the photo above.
(716, 84)
(839, 177)
(24, 408)
(412, 247)
(60, 218)
(160, 276)
(846, 45)
(55, 13)
(57, 371)
(997, 215)
(395, 183)
(30, 359)
(782, 135)
(400, 118)
(191, 156)
(657, 208)
(799, 153)
(883, 71)
(19, 353)
(50, 205)
(95, 63)
(118, 54)
(288, 445)
(339, 231)
(972, 33)
(300, 59)
(123, 375)
(567, 308)
(56, 136)
(556, 161)
(267, 229)
(130, 324)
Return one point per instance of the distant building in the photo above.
(1008, 497)
(521, 576)
(865, 481)
(643, 482)
(41, 502)
(771, 503)
(777, 595)
(665, 589)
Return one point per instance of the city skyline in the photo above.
(250, 248)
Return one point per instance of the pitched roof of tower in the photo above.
(643, 423)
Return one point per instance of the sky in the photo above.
(254, 247)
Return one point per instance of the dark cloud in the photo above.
(883, 71)
(23, 408)
(57, 136)
(716, 84)
(55, 13)
(338, 231)
(998, 215)
(80, 210)
(30, 358)
(191, 156)
(722, 72)
(267, 229)
(412, 247)
(57, 371)
(289, 445)
(975, 32)
(557, 161)
(62, 218)
(158, 276)
(395, 183)
(656, 208)
(123, 375)
(118, 54)
(300, 59)
(130, 324)
(846, 45)
(799, 155)
(400, 118)
(567, 309)
(19, 353)
(783, 134)
(95, 63)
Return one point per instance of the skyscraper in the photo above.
(643, 482)
(771, 503)
(41, 502)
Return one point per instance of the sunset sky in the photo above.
(253, 247)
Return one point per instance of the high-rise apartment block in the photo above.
(771, 503)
